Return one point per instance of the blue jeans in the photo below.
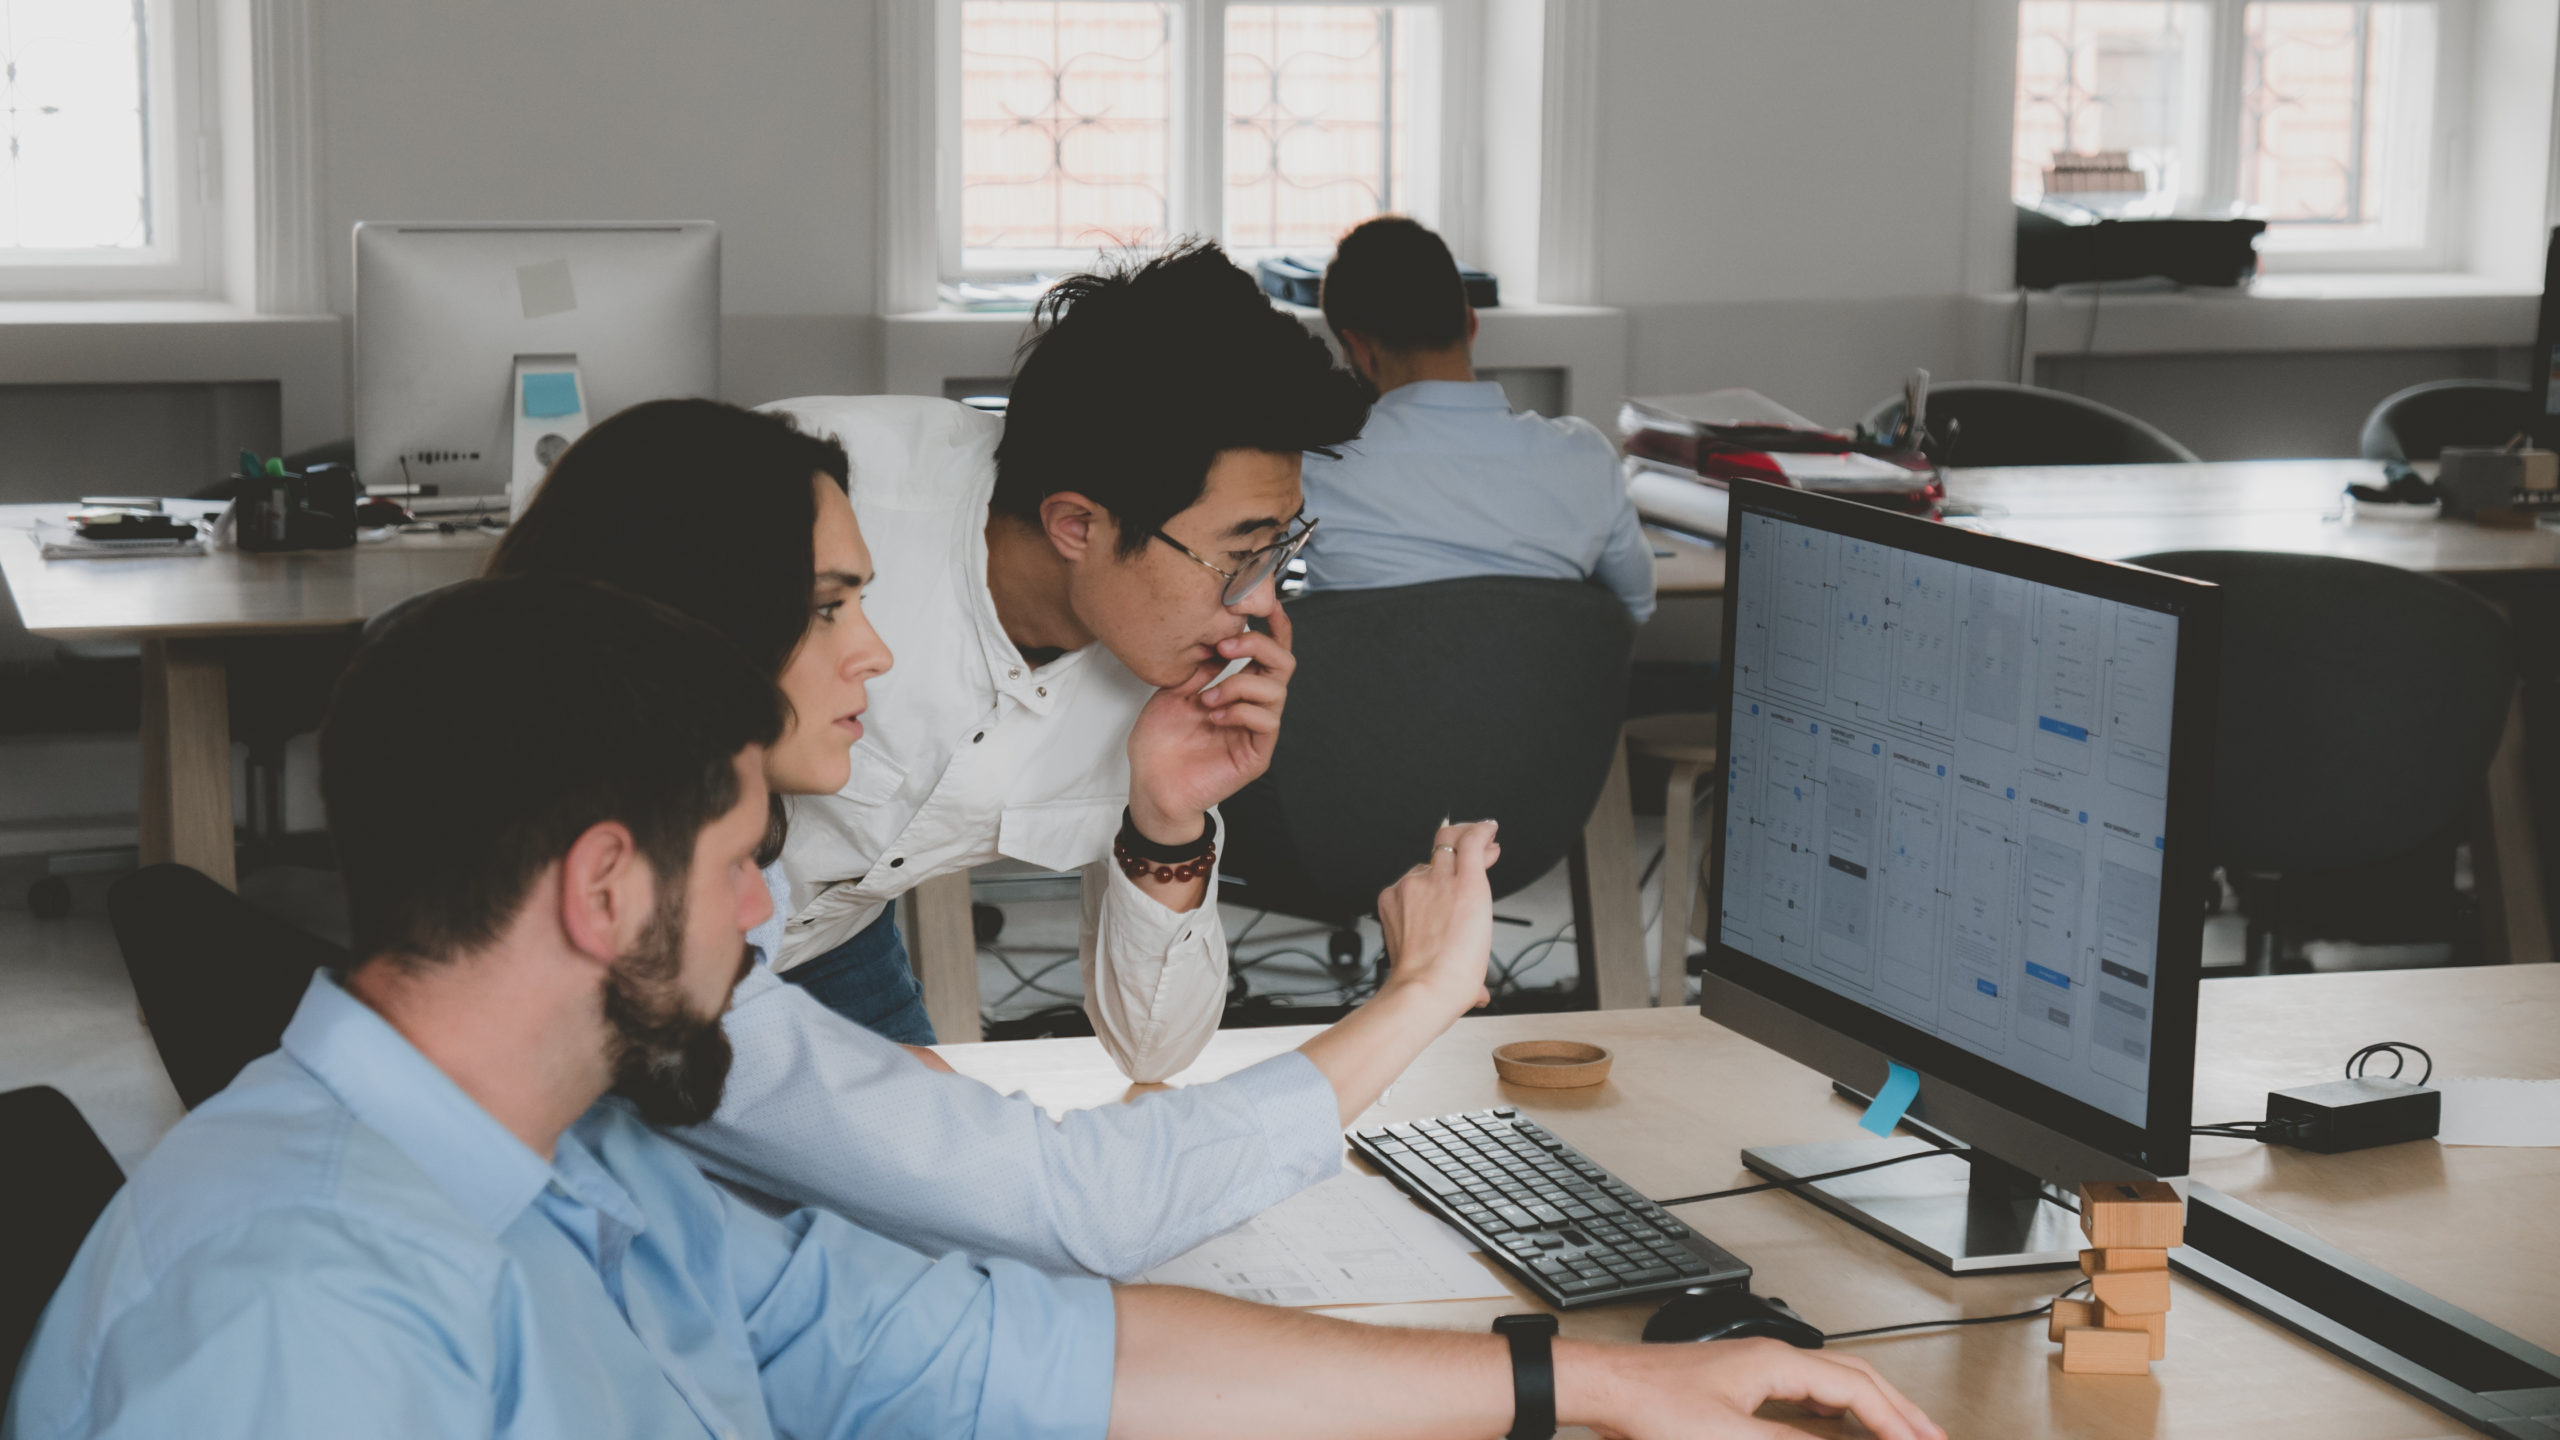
(868, 981)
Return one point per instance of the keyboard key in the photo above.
(1550, 1242)
(1651, 1274)
(1577, 1212)
(1550, 1266)
(1435, 1182)
(1583, 1287)
(1548, 1213)
(1515, 1217)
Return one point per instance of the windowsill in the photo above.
(2300, 310)
(161, 311)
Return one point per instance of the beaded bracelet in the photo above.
(1168, 863)
(1138, 867)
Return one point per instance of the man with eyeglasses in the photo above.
(1067, 592)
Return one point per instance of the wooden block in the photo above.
(2134, 1292)
(2093, 1261)
(2155, 1324)
(2119, 1214)
(2071, 1315)
(2105, 1352)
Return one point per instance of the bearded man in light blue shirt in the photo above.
(416, 1218)
(1446, 479)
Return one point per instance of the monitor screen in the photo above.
(1948, 798)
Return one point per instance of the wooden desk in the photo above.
(2116, 512)
(182, 608)
(2469, 1225)
(1685, 566)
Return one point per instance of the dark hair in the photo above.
(696, 504)
(1137, 378)
(483, 730)
(1395, 282)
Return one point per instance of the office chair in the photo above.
(2417, 423)
(1990, 422)
(64, 1178)
(2360, 705)
(1491, 697)
(218, 977)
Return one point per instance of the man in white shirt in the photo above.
(1447, 480)
(1060, 590)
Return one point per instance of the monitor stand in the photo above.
(1964, 1212)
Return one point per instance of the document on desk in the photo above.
(2499, 1112)
(1353, 1240)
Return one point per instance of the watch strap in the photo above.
(1533, 1374)
(1133, 840)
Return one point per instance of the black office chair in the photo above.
(2417, 423)
(64, 1177)
(1990, 422)
(218, 977)
(1493, 697)
(2359, 707)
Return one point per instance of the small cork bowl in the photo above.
(1551, 1064)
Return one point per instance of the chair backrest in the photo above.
(218, 977)
(2360, 704)
(2417, 423)
(61, 1178)
(1491, 697)
(1995, 423)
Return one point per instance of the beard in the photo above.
(670, 1063)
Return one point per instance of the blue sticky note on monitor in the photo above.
(550, 393)
(1901, 1085)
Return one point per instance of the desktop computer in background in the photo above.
(482, 351)
(1963, 833)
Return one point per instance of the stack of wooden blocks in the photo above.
(2124, 1324)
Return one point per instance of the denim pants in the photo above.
(868, 981)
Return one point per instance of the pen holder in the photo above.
(2473, 479)
(313, 511)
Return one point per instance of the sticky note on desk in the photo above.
(1901, 1086)
(550, 392)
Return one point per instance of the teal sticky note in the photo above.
(1901, 1085)
(550, 392)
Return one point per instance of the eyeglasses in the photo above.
(1259, 566)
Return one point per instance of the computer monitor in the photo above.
(483, 350)
(1963, 826)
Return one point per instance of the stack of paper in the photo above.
(1353, 1240)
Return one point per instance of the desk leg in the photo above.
(186, 759)
(1679, 871)
(944, 950)
(1608, 910)
(2510, 873)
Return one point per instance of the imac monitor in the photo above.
(1963, 828)
(483, 350)
(2542, 374)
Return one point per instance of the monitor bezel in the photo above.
(2160, 1145)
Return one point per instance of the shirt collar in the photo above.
(1037, 687)
(1449, 395)
(399, 1093)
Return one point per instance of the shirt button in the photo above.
(901, 860)
(981, 735)
(1013, 674)
(1044, 692)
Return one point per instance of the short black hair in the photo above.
(696, 504)
(1135, 379)
(1396, 282)
(484, 729)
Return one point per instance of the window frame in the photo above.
(181, 146)
(2437, 244)
(1444, 195)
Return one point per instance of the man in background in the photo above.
(1447, 480)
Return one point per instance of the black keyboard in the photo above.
(1572, 1231)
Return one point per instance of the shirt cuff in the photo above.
(1301, 1121)
(1049, 1362)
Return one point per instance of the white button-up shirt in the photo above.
(970, 752)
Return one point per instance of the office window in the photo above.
(2320, 118)
(1090, 124)
(97, 180)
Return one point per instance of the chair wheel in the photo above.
(1343, 951)
(986, 922)
(49, 897)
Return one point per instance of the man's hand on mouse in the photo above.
(1693, 1392)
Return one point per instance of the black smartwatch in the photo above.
(1533, 1374)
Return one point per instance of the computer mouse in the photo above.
(375, 513)
(1728, 1312)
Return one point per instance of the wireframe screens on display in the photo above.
(1949, 793)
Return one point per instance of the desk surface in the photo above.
(1683, 565)
(223, 592)
(2119, 511)
(2470, 1225)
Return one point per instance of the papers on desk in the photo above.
(2499, 1112)
(61, 542)
(1353, 1240)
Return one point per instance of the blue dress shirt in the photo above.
(342, 1242)
(1447, 480)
